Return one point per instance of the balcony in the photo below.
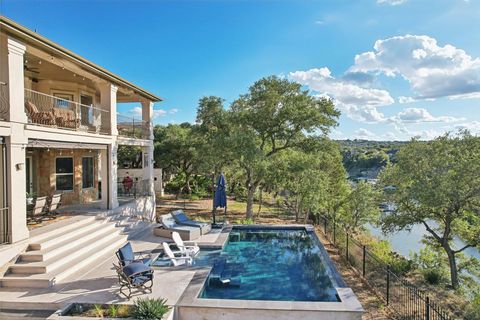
(46, 110)
(131, 127)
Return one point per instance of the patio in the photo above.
(100, 284)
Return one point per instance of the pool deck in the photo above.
(99, 284)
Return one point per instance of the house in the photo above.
(60, 131)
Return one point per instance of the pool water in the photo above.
(269, 264)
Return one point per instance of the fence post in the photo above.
(388, 284)
(346, 248)
(427, 308)
(364, 258)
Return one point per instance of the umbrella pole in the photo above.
(214, 209)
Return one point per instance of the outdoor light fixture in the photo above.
(19, 166)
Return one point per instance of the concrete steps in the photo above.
(54, 255)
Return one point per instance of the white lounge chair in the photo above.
(176, 261)
(189, 248)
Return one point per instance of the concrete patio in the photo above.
(99, 284)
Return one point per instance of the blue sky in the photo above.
(395, 68)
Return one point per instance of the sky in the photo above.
(396, 69)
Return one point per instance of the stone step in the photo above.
(62, 247)
(102, 236)
(46, 280)
(60, 227)
(63, 237)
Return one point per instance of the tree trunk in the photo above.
(250, 198)
(453, 266)
(260, 202)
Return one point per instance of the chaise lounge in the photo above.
(182, 219)
(168, 226)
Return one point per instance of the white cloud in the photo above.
(391, 2)
(173, 111)
(433, 71)
(403, 99)
(472, 126)
(363, 133)
(416, 115)
(157, 113)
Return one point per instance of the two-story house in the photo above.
(60, 130)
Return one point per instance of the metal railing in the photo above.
(46, 110)
(131, 127)
(403, 298)
(4, 105)
(134, 189)
(4, 226)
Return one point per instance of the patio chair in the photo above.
(169, 226)
(40, 117)
(38, 208)
(189, 248)
(66, 118)
(126, 256)
(180, 218)
(54, 204)
(176, 261)
(134, 276)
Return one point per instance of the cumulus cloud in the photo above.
(173, 111)
(433, 71)
(391, 2)
(416, 115)
(363, 133)
(157, 113)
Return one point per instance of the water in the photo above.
(266, 264)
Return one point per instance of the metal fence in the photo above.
(134, 189)
(131, 127)
(403, 298)
(46, 110)
(4, 228)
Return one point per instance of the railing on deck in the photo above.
(4, 229)
(403, 298)
(4, 105)
(132, 127)
(46, 110)
(134, 189)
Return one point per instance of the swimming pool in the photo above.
(276, 264)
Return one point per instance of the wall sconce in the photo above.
(19, 166)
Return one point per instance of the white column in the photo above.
(108, 101)
(16, 144)
(147, 116)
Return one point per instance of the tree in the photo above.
(361, 206)
(437, 184)
(177, 151)
(274, 116)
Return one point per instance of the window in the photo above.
(64, 174)
(87, 172)
(64, 102)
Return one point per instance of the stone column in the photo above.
(108, 101)
(147, 117)
(16, 143)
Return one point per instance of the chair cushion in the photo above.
(180, 216)
(126, 254)
(31, 108)
(134, 268)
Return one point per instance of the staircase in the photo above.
(65, 249)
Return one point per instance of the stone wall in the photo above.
(45, 178)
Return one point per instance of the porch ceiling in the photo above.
(64, 145)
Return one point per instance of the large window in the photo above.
(64, 173)
(87, 172)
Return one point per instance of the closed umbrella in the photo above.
(220, 197)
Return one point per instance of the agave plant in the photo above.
(150, 309)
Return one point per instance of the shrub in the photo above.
(473, 309)
(432, 276)
(149, 309)
(245, 221)
(98, 310)
(113, 310)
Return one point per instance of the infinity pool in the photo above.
(287, 264)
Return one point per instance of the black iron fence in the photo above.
(134, 188)
(403, 298)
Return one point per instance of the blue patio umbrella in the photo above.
(220, 197)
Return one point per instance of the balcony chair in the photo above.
(182, 219)
(66, 118)
(40, 117)
(126, 256)
(134, 276)
(54, 204)
(176, 261)
(189, 248)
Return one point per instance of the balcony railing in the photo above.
(46, 110)
(131, 127)
(4, 105)
(134, 189)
